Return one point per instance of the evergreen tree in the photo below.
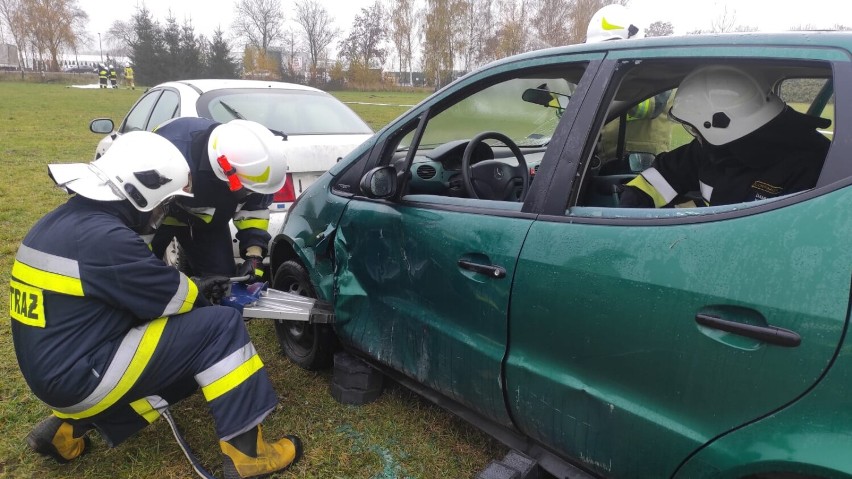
(173, 60)
(218, 61)
(147, 49)
(192, 63)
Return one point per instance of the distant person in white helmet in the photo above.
(648, 129)
(748, 145)
(236, 168)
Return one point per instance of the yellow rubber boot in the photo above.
(249, 456)
(55, 438)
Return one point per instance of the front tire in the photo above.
(310, 346)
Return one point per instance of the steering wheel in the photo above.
(497, 180)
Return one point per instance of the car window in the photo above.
(294, 112)
(524, 109)
(165, 110)
(642, 147)
(137, 119)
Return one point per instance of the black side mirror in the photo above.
(101, 125)
(380, 182)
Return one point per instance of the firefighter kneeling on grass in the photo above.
(109, 336)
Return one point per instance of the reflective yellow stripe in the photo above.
(251, 223)
(203, 217)
(150, 339)
(172, 221)
(641, 183)
(46, 280)
(191, 296)
(26, 304)
(232, 379)
(144, 409)
(261, 178)
(609, 26)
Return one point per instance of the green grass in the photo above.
(398, 436)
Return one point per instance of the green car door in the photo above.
(629, 344)
(426, 291)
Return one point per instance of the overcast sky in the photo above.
(685, 15)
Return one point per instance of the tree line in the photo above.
(430, 42)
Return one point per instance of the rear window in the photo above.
(292, 112)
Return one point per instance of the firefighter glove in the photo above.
(213, 288)
(253, 268)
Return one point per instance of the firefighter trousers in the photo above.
(168, 360)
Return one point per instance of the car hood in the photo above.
(318, 152)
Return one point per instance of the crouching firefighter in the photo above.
(236, 167)
(109, 336)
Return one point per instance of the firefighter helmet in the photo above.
(724, 103)
(246, 153)
(141, 167)
(613, 22)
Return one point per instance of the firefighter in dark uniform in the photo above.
(108, 335)
(113, 77)
(236, 166)
(748, 146)
(103, 74)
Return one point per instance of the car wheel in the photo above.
(311, 346)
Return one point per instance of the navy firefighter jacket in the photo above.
(213, 203)
(81, 280)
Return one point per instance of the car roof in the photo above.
(204, 85)
(840, 39)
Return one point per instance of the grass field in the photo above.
(399, 436)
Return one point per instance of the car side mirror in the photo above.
(639, 162)
(101, 125)
(380, 182)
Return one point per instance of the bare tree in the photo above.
(659, 29)
(364, 43)
(12, 14)
(725, 21)
(549, 21)
(512, 35)
(258, 23)
(319, 30)
(403, 29)
(52, 26)
(442, 39)
(478, 19)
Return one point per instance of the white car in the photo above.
(320, 129)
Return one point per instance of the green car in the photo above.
(475, 250)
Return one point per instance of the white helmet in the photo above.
(246, 153)
(723, 103)
(612, 22)
(139, 166)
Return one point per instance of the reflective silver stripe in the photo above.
(706, 191)
(179, 299)
(252, 214)
(48, 262)
(202, 211)
(226, 365)
(659, 183)
(157, 402)
(114, 372)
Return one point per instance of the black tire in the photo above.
(310, 346)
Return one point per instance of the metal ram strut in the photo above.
(257, 301)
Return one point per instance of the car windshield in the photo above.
(292, 112)
(505, 107)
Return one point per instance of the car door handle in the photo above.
(769, 334)
(491, 270)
